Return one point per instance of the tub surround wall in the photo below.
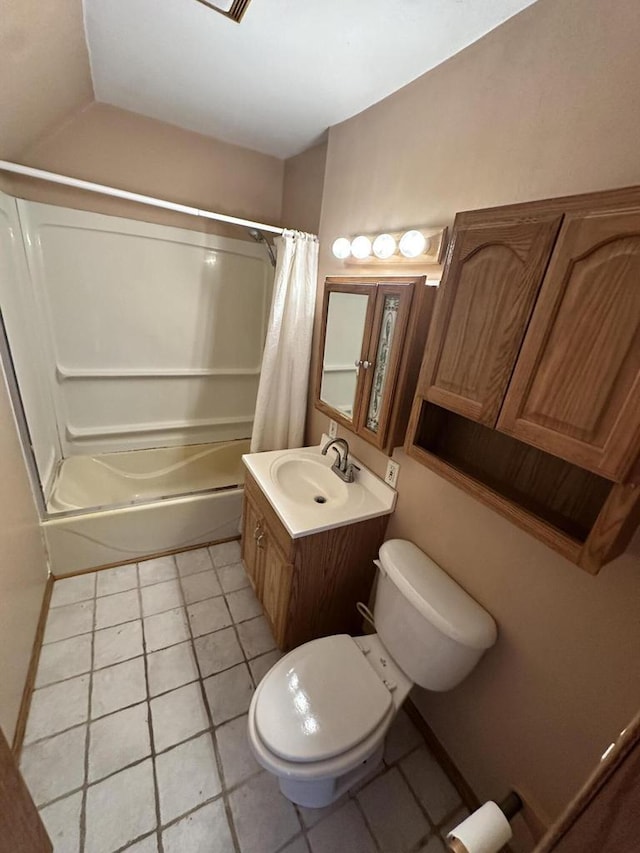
(545, 105)
(152, 335)
(23, 568)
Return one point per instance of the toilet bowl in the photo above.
(319, 717)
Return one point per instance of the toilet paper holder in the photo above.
(490, 838)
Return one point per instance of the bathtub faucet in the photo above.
(342, 467)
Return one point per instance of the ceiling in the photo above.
(292, 68)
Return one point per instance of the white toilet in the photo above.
(319, 717)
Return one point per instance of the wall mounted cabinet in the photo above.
(529, 393)
(372, 339)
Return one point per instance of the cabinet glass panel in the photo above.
(383, 356)
(346, 315)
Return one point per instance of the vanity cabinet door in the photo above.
(252, 530)
(576, 389)
(276, 588)
(493, 274)
(391, 317)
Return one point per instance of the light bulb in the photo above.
(341, 248)
(384, 246)
(412, 244)
(361, 247)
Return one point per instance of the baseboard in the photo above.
(146, 557)
(25, 704)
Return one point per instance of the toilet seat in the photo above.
(320, 702)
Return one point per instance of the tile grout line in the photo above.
(224, 793)
(156, 790)
(87, 742)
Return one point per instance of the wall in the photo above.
(547, 104)
(152, 336)
(110, 146)
(44, 69)
(302, 189)
(23, 568)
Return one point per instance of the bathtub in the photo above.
(120, 507)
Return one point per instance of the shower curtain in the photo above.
(284, 378)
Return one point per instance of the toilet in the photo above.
(319, 717)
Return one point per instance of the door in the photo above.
(491, 281)
(252, 530)
(575, 391)
(276, 590)
(21, 828)
(392, 306)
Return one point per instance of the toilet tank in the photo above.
(430, 626)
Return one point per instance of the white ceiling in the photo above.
(291, 68)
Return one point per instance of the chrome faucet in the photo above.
(342, 467)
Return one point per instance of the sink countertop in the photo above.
(367, 497)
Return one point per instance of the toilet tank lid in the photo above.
(437, 596)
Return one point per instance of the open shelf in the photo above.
(562, 496)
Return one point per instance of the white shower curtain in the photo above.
(284, 378)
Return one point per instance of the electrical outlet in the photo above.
(333, 429)
(391, 477)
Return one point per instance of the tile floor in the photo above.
(136, 739)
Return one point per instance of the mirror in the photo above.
(345, 326)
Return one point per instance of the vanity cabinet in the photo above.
(308, 586)
(372, 339)
(529, 392)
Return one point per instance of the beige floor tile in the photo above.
(118, 608)
(256, 637)
(225, 554)
(191, 562)
(62, 822)
(117, 644)
(232, 577)
(218, 651)
(201, 586)
(392, 813)
(159, 569)
(120, 809)
(261, 665)
(345, 829)
(208, 616)
(177, 716)
(55, 766)
(117, 579)
(238, 762)
(203, 831)
(161, 597)
(401, 739)
(187, 777)
(57, 707)
(430, 784)
(117, 687)
(243, 604)
(166, 629)
(64, 659)
(264, 819)
(118, 740)
(229, 693)
(170, 668)
(72, 590)
(69, 621)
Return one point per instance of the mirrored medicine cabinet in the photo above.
(372, 339)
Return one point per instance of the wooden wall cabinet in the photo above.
(308, 586)
(372, 339)
(529, 392)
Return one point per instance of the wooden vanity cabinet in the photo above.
(374, 352)
(309, 586)
(529, 393)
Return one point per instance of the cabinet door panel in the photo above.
(276, 590)
(251, 554)
(576, 388)
(393, 302)
(486, 298)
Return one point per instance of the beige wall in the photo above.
(545, 105)
(111, 146)
(302, 189)
(23, 569)
(44, 69)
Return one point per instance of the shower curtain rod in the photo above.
(42, 175)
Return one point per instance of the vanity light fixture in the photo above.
(414, 246)
(384, 246)
(361, 247)
(341, 248)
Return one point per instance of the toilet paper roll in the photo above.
(485, 831)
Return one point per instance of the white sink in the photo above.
(309, 497)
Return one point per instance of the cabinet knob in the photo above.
(259, 541)
(257, 531)
(358, 362)
(366, 364)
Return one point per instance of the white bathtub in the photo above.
(121, 507)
